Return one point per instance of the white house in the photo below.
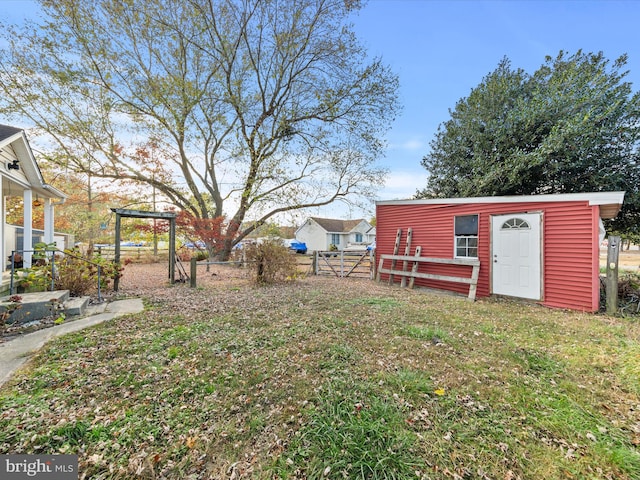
(21, 176)
(321, 233)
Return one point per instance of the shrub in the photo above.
(79, 274)
(201, 255)
(38, 277)
(272, 262)
(35, 279)
(628, 293)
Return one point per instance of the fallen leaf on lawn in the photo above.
(439, 392)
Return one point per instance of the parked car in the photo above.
(199, 245)
(298, 247)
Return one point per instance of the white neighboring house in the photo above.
(321, 233)
(21, 176)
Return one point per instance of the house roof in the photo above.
(17, 138)
(337, 226)
(7, 132)
(609, 202)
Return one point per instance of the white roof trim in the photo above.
(30, 167)
(11, 139)
(594, 198)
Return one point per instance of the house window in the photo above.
(466, 236)
(358, 238)
(335, 239)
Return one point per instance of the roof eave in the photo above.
(31, 169)
(609, 202)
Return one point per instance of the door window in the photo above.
(515, 224)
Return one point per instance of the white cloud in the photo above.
(407, 144)
(403, 184)
(411, 145)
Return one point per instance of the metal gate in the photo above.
(344, 263)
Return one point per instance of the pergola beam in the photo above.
(122, 212)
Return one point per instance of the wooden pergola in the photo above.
(122, 212)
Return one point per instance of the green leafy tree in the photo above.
(571, 126)
(253, 107)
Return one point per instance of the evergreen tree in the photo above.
(571, 126)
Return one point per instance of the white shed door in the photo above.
(516, 255)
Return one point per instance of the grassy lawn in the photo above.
(335, 379)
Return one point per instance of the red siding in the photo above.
(570, 254)
(569, 249)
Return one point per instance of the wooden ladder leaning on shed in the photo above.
(413, 273)
(417, 259)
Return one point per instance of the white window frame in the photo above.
(467, 242)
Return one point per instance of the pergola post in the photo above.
(172, 250)
(171, 217)
(116, 255)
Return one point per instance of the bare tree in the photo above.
(259, 107)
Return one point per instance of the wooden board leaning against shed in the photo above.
(417, 259)
(396, 250)
(407, 251)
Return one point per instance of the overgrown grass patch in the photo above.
(432, 334)
(630, 367)
(412, 385)
(537, 363)
(352, 431)
(335, 379)
(380, 304)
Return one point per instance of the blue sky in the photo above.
(442, 49)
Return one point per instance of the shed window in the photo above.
(466, 236)
(335, 239)
(358, 238)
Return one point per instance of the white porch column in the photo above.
(3, 221)
(48, 221)
(27, 198)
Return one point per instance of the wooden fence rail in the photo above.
(413, 273)
(344, 263)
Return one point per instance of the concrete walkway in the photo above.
(16, 352)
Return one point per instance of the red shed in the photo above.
(539, 247)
